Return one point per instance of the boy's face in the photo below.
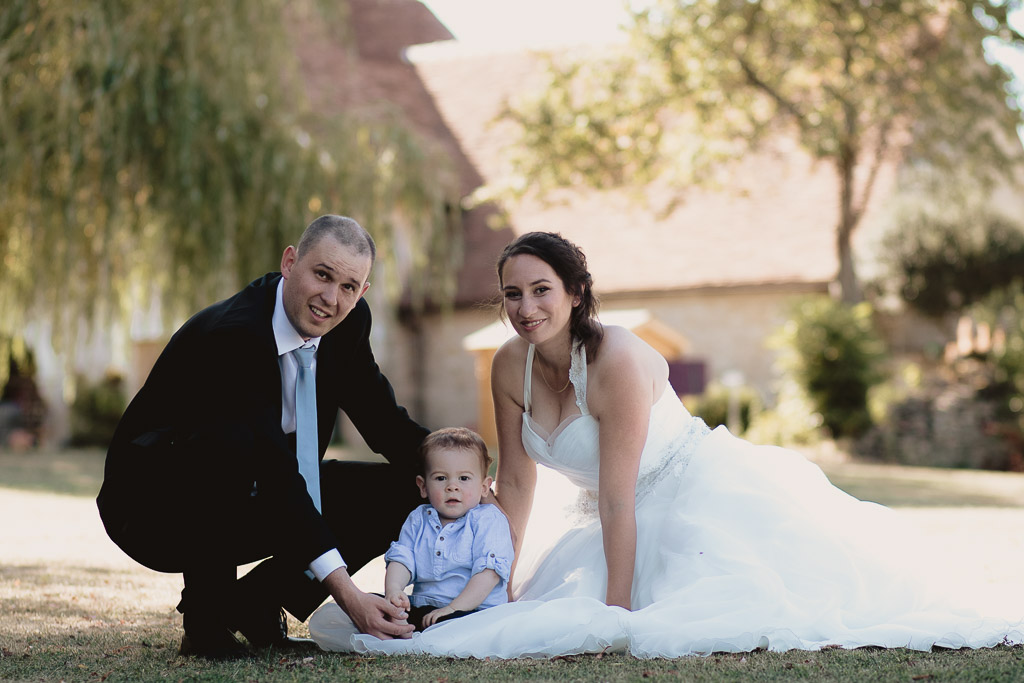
(454, 482)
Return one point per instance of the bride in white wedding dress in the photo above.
(683, 540)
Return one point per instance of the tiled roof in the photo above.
(368, 70)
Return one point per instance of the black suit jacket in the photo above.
(207, 422)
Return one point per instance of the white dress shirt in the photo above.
(287, 341)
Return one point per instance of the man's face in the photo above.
(322, 287)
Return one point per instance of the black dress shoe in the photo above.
(203, 639)
(266, 627)
(270, 629)
(290, 644)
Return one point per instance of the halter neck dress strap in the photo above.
(528, 380)
(578, 375)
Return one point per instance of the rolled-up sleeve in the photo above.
(403, 550)
(492, 542)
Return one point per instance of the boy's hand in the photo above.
(399, 599)
(432, 617)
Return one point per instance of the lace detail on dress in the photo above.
(672, 466)
(578, 374)
(675, 461)
(584, 510)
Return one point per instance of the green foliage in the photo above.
(96, 411)
(792, 420)
(943, 264)
(15, 358)
(22, 408)
(164, 150)
(1010, 364)
(834, 353)
(713, 406)
(969, 413)
(1004, 312)
(702, 82)
(949, 419)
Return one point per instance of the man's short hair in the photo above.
(455, 438)
(341, 228)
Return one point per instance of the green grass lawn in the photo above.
(74, 608)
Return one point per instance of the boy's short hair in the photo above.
(455, 437)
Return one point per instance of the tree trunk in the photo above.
(849, 287)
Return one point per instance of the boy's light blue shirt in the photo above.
(442, 559)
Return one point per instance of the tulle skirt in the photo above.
(746, 547)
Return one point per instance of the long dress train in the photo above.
(739, 547)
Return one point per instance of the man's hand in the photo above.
(431, 618)
(376, 616)
(371, 614)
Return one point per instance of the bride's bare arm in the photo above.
(620, 397)
(517, 473)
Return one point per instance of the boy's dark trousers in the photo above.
(416, 615)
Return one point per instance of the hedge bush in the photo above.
(834, 352)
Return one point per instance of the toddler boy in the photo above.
(456, 552)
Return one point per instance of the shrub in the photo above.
(1005, 311)
(22, 408)
(943, 264)
(96, 411)
(834, 354)
(713, 406)
(791, 421)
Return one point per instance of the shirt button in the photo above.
(442, 538)
(438, 528)
(438, 552)
(492, 554)
(429, 511)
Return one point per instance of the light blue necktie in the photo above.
(306, 446)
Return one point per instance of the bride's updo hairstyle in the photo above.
(570, 265)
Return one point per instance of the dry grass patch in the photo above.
(75, 608)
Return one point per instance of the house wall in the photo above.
(448, 391)
(431, 373)
(726, 329)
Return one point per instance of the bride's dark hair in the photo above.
(570, 265)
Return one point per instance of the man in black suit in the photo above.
(202, 474)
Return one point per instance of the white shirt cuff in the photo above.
(326, 563)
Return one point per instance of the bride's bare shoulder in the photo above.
(513, 349)
(509, 360)
(625, 355)
(622, 346)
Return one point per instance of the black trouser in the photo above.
(187, 504)
(364, 504)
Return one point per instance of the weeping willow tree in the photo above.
(160, 151)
